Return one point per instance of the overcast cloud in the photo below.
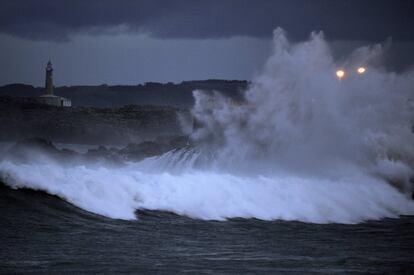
(130, 42)
(372, 20)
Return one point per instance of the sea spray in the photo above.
(298, 115)
(301, 145)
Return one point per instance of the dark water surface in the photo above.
(43, 234)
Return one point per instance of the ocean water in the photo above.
(44, 234)
(306, 174)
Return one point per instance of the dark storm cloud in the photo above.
(346, 19)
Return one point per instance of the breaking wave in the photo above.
(301, 145)
(117, 192)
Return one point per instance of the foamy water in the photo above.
(118, 192)
(301, 146)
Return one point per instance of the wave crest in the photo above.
(301, 145)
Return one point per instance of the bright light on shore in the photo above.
(340, 74)
(361, 70)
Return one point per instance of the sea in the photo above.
(307, 174)
(43, 234)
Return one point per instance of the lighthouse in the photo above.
(49, 98)
(49, 79)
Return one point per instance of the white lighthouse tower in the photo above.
(49, 79)
(49, 98)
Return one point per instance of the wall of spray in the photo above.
(301, 145)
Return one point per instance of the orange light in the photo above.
(340, 74)
(361, 70)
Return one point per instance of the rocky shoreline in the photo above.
(36, 149)
(88, 125)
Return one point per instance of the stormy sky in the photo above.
(130, 42)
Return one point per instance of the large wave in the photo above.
(117, 192)
(301, 145)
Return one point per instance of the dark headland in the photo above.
(105, 115)
(151, 93)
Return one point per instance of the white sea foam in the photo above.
(118, 192)
(301, 146)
